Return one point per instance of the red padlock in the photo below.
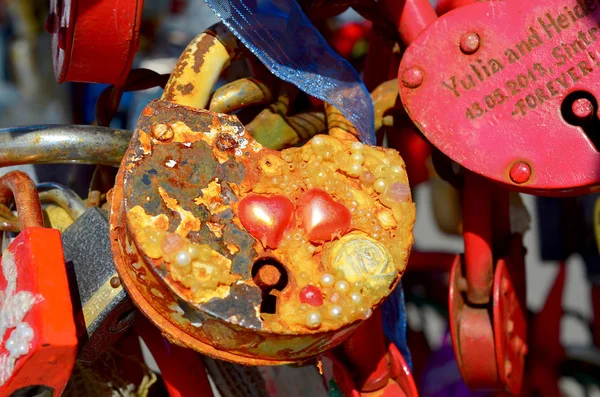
(38, 343)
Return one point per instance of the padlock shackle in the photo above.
(20, 186)
(200, 66)
(62, 196)
(62, 144)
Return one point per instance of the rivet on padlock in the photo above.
(37, 332)
(197, 218)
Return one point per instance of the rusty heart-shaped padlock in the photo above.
(257, 253)
(249, 254)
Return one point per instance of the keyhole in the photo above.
(269, 274)
(580, 109)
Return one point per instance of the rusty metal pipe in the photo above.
(62, 144)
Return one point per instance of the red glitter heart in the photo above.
(266, 217)
(322, 217)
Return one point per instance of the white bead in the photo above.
(25, 332)
(183, 258)
(318, 141)
(355, 169)
(313, 319)
(327, 280)
(357, 147)
(380, 185)
(356, 297)
(358, 158)
(194, 251)
(23, 348)
(342, 286)
(10, 344)
(335, 311)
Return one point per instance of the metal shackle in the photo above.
(20, 186)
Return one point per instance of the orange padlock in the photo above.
(38, 343)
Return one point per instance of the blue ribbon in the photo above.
(393, 314)
(282, 37)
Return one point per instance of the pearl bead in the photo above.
(397, 169)
(25, 332)
(358, 158)
(342, 286)
(356, 297)
(367, 178)
(327, 280)
(357, 147)
(183, 258)
(335, 311)
(23, 348)
(380, 185)
(313, 319)
(318, 141)
(355, 169)
(10, 344)
(194, 251)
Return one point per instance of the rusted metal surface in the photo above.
(57, 144)
(94, 41)
(275, 129)
(193, 167)
(199, 67)
(240, 94)
(514, 92)
(19, 185)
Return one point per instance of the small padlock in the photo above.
(102, 310)
(38, 343)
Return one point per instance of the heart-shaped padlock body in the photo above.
(265, 254)
(509, 90)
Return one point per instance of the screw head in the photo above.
(413, 77)
(582, 108)
(163, 132)
(469, 43)
(520, 172)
